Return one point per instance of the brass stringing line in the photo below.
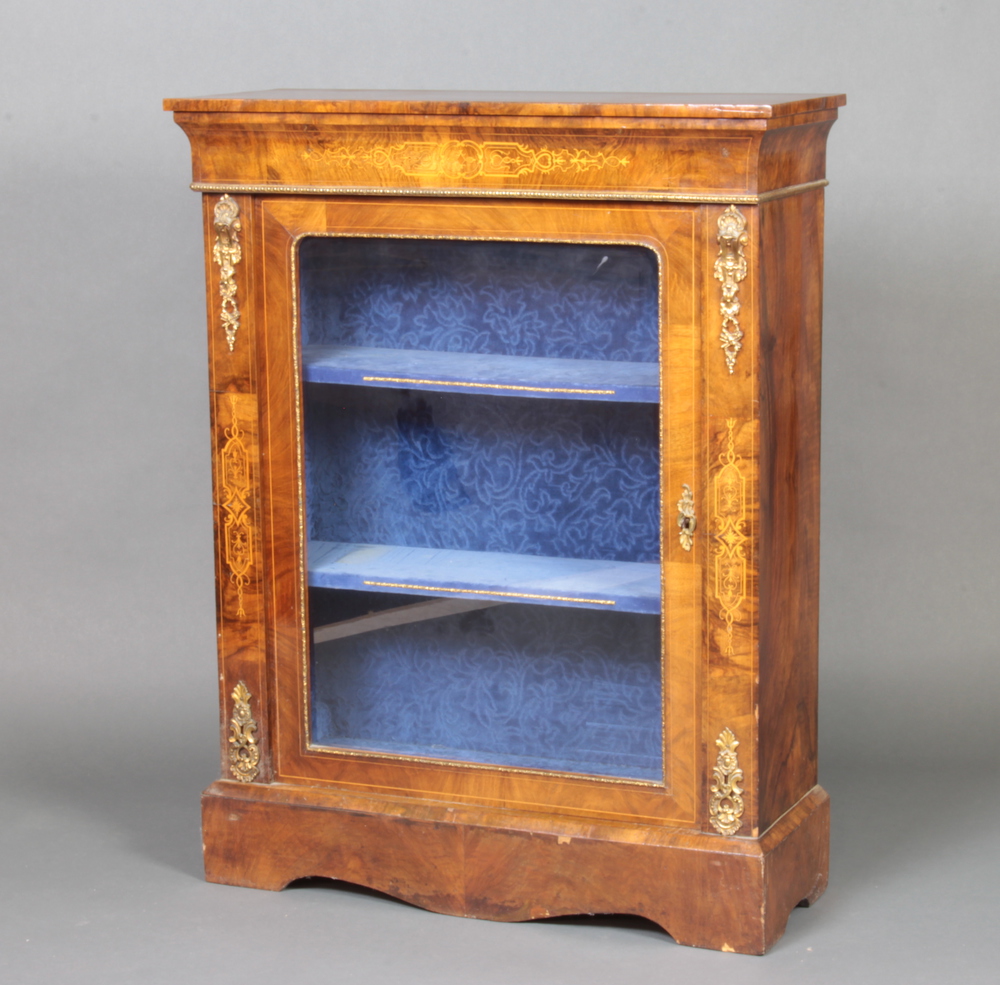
(678, 198)
(787, 191)
(662, 409)
(490, 386)
(304, 641)
(478, 591)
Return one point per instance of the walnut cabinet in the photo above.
(515, 412)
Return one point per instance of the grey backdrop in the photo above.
(107, 695)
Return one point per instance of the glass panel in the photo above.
(556, 300)
(482, 473)
(528, 686)
(482, 435)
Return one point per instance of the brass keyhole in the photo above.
(685, 517)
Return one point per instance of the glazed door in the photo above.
(478, 422)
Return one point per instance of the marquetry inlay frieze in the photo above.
(729, 535)
(463, 159)
(234, 502)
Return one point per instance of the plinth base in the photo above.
(730, 894)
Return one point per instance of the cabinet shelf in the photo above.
(630, 767)
(622, 586)
(521, 376)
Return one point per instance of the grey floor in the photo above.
(101, 877)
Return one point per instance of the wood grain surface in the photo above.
(730, 894)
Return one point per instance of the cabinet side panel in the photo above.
(793, 155)
(791, 306)
(731, 528)
(229, 245)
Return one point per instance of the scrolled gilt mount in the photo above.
(244, 753)
(730, 269)
(227, 253)
(725, 809)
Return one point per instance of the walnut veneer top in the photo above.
(665, 105)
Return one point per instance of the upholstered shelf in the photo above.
(624, 586)
(520, 376)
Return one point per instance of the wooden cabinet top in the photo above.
(651, 105)
(639, 146)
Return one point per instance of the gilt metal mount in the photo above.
(730, 269)
(244, 753)
(725, 809)
(227, 253)
(686, 519)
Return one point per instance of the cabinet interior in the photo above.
(482, 430)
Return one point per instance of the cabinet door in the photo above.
(478, 421)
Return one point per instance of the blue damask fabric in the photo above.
(533, 686)
(560, 300)
(517, 685)
(476, 473)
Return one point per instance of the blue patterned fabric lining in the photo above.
(516, 685)
(475, 473)
(561, 300)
